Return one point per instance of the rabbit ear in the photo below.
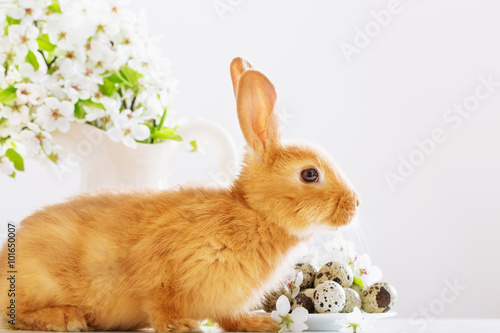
(255, 101)
(238, 67)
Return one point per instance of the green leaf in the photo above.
(31, 58)
(53, 157)
(79, 112)
(194, 145)
(108, 88)
(357, 281)
(89, 103)
(45, 44)
(129, 76)
(8, 94)
(115, 78)
(15, 158)
(166, 134)
(162, 120)
(54, 7)
(12, 21)
(82, 105)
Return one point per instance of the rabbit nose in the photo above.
(357, 202)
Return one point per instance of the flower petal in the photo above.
(299, 279)
(276, 317)
(140, 132)
(355, 317)
(299, 314)
(115, 134)
(283, 305)
(298, 327)
(47, 146)
(63, 125)
(129, 141)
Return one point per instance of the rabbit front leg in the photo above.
(249, 323)
(59, 318)
(168, 312)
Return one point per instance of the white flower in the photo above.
(9, 53)
(27, 72)
(364, 270)
(94, 113)
(353, 322)
(295, 321)
(63, 32)
(15, 111)
(29, 92)
(24, 36)
(104, 24)
(128, 129)
(118, 10)
(35, 140)
(79, 87)
(7, 129)
(294, 283)
(100, 52)
(28, 11)
(55, 114)
(6, 166)
(79, 54)
(152, 106)
(58, 81)
(340, 250)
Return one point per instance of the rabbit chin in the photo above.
(345, 213)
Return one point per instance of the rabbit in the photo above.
(167, 259)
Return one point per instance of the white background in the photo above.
(443, 222)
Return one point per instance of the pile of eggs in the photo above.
(331, 290)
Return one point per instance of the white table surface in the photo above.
(398, 325)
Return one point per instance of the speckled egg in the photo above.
(304, 299)
(352, 300)
(309, 274)
(329, 297)
(357, 289)
(269, 303)
(335, 271)
(379, 297)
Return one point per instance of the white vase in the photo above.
(108, 164)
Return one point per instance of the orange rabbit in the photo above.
(168, 259)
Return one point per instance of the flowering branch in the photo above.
(78, 62)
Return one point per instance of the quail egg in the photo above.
(379, 297)
(335, 271)
(329, 296)
(304, 299)
(352, 300)
(309, 274)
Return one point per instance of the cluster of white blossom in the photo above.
(88, 61)
(338, 249)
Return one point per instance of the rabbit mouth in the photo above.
(345, 211)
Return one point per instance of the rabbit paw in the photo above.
(250, 323)
(177, 325)
(59, 319)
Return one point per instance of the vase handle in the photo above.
(203, 130)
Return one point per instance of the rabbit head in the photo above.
(296, 185)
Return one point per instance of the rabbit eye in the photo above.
(310, 175)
